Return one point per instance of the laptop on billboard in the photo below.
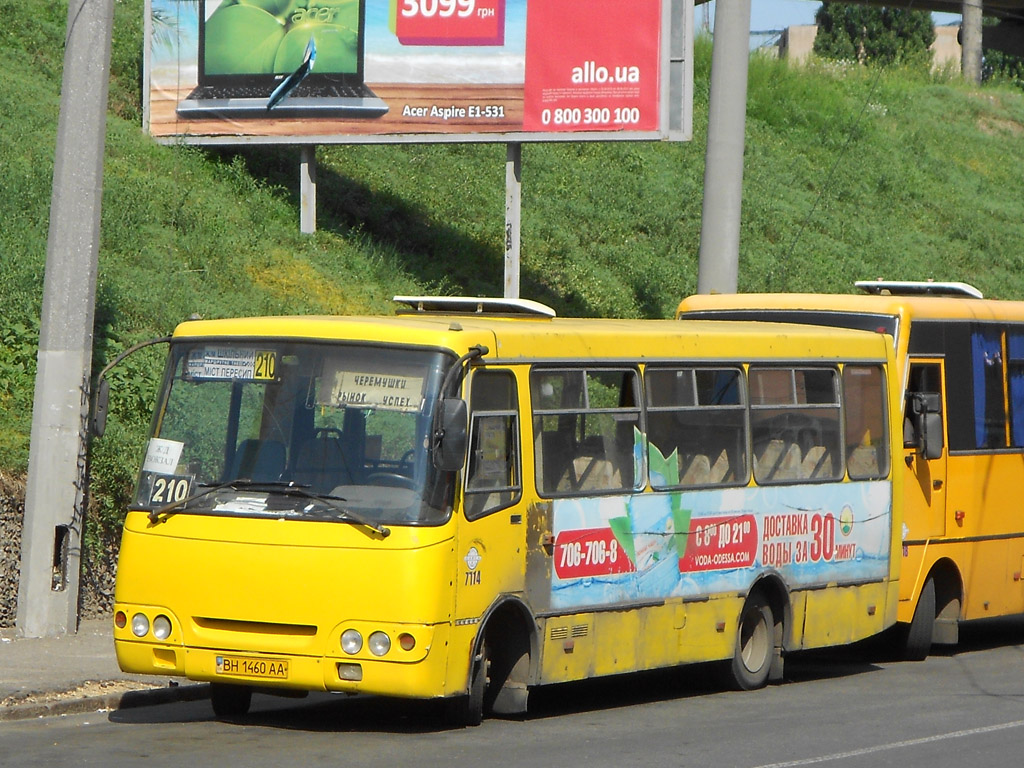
(281, 59)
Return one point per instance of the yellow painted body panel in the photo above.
(287, 589)
(582, 645)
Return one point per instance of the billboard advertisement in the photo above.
(322, 71)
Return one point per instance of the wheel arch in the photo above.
(773, 588)
(508, 632)
(509, 618)
(775, 591)
(949, 585)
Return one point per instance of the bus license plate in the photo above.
(247, 666)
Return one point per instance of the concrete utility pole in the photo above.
(718, 266)
(970, 40)
(513, 208)
(55, 496)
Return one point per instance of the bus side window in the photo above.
(867, 452)
(492, 480)
(923, 398)
(1015, 380)
(585, 423)
(696, 426)
(794, 422)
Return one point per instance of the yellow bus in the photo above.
(960, 359)
(474, 497)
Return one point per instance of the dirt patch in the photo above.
(87, 690)
(998, 125)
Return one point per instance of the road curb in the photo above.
(109, 702)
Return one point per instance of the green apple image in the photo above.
(279, 8)
(242, 39)
(335, 48)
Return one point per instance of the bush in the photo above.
(874, 35)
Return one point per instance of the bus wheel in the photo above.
(755, 644)
(918, 641)
(468, 709)
(230, 700)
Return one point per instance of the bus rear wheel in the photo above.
(755, 645)
(230, 700)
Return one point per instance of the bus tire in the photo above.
(230, 700)
(755, 644)
(918, 642)
(468, 709)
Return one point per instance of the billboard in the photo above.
(345, 71)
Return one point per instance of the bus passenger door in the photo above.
(491, 537)
(924, 453)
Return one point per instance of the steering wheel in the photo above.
(392, 479)
(406, 461)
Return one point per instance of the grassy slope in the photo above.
(848, 174)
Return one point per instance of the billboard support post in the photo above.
(513, 198)
(307, 189)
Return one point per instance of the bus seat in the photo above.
(720, 469)
(816, 463)
(862, 462)
(699, 471)
(590, 470)
(788, 467)
(321, 464)
(258, 460)
(764, 462)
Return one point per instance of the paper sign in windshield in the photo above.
(229, 363)
(162, 456)
(392, 392)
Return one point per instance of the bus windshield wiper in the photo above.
(177, 506)
(272, 486)
(237, 484)
(333, 503)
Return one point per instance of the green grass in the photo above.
(849, 174)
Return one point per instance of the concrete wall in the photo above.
(797, 45)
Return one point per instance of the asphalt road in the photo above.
(849, 707)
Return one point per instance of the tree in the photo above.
(871, 34)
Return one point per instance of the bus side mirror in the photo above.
(99, 409)
(450, 438)
(931, 436)
(926, 415)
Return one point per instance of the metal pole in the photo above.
(723, 164)
(307, 189)
(970, 40)
(513, 192)
(55, 494)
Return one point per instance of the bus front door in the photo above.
(925, 459)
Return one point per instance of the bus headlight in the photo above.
(379, 643)
(161, 627)
(351, 641)
(140, 625)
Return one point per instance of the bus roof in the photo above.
(535, 337)
(905, 306)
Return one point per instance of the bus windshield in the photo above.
(256, 427)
